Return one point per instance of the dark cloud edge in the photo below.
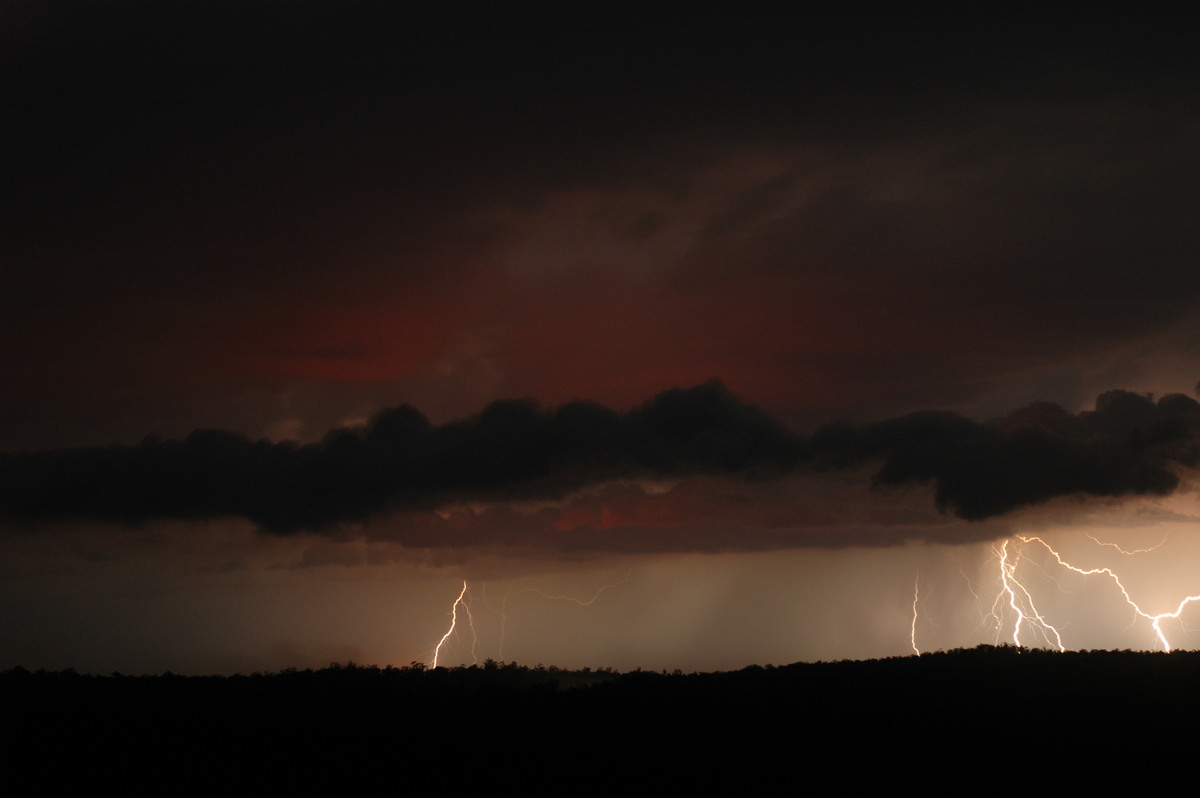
(516, 450)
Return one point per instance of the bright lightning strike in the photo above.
(1014, 607)
(1021, 602)
(916, 600)
(464, 601)
(1155, 620)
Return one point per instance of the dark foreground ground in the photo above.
(976, 718)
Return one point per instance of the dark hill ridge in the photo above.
(347, 725)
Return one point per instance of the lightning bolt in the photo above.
(578, 601)
(1155, 620)
(501, 613)
(916, 599)
(1020, 600)
(1015, 609)
(1099, 542)
(464, 601)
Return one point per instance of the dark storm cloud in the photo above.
(517, 451)
(1129, 445)
(212, 203)
(512, 450)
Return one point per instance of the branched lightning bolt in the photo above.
(1021, 601)
(1155, 620)
(1014, 599)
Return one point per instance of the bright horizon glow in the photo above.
(234, 601)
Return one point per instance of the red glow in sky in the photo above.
(278, 227)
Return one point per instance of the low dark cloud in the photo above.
(517, 451)
(514, 449)
(1128, 445)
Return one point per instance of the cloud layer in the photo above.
(515, 451)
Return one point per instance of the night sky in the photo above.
(767, 333)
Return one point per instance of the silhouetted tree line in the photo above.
(350, 724)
